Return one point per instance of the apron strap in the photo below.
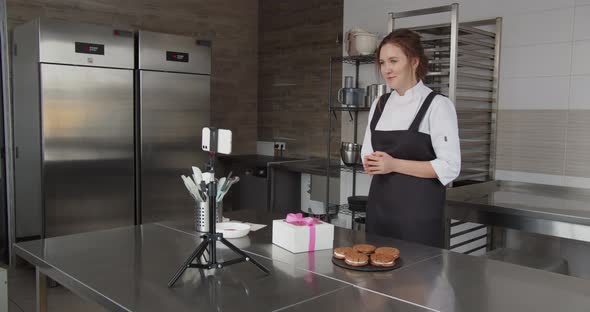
(379, 110)
(425, 105)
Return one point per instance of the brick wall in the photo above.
(296, 40)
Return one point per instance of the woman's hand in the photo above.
(383, 163)
(379, 163)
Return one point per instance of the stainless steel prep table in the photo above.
(435, 278)
(458, 282)
(354, 299)
(126, 269)
(544, 209)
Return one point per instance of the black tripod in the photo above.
(211, 238)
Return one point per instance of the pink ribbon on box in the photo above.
(299, 220)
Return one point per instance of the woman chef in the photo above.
(411, 147)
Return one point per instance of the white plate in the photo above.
(232, 229)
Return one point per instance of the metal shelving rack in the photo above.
(353, 112)
(464, 65)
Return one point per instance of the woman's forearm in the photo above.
(420, 169)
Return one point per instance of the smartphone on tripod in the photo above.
(214, 141)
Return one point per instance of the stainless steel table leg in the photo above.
(41, 290)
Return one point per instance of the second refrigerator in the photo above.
(174, 105)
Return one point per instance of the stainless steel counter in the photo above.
(126, 269)
(458, 282)
(354, 299)
(315, 166)
(543, 209)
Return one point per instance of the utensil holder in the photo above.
(202, 215)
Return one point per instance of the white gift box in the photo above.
(296, 238)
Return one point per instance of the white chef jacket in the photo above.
(440, 122)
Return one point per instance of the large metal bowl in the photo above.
(350, 153)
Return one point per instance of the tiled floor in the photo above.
(21, 294)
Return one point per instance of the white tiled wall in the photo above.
(544, 60)
(540, 60)
(533, 27)
(580, 60)
(516, 93)
(579, 93)
(582, 22)
(515, 7)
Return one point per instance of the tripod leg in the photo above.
(201, 271)
(205, 257)
(243, 254)
(197, 253)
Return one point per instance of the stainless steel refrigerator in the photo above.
(174, 105)
(73, 128)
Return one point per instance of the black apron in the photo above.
(402, 206)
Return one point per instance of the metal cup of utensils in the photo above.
(348, 82)
(374, 91)
(368, 101)
(350, 153)
(381, 89)
(351, 96)
(202, 215)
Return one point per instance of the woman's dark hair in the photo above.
(409, 42)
